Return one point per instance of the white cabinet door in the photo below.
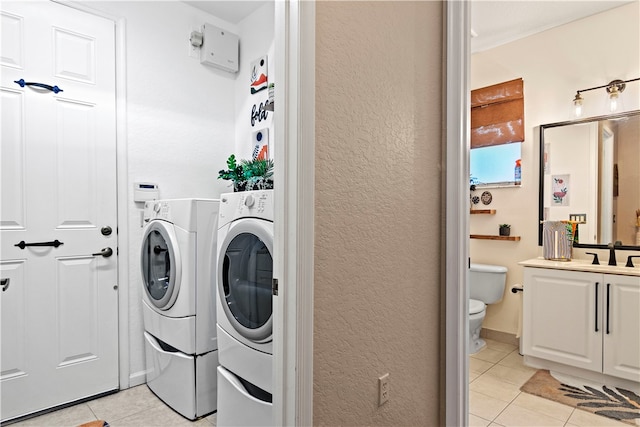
(59, 324)
(562, 317)
(622, 326)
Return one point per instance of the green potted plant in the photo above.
(234, 173)
(505, 229)
(256, 174)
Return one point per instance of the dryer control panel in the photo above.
(246, 204)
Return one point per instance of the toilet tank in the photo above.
(486, 282)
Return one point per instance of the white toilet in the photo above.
(486, 286)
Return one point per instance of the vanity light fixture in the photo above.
(614, 88)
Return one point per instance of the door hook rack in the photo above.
(54, 89)
(23, 245)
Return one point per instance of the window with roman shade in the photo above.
(497, 114)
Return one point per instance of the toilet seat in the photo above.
(476, 306)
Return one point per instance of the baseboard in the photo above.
(503, 337)
(138, 378)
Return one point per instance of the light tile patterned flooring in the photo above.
(496, 374)
(134, 407)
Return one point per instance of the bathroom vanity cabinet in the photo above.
(579, 319)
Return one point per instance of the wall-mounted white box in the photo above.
(144, 191)
(220, 48)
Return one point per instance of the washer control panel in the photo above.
(156, 210)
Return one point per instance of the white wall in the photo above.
(257, 40)
(554, 65)
(180, 121)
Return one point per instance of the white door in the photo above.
(58, 300)
(622, 324)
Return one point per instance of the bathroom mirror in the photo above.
(590, 173)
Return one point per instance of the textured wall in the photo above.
(554, 65)
(378, 199)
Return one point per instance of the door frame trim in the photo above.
(457, 111)
(122, 169)
(294, 209)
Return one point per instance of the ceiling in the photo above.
(494, 22)
(232, 11)
(500, 22)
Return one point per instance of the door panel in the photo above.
(74, 55)
(13, 320)
(77, 191)
(58, 183)
(12, 155)
(76, 298)
(12, 40)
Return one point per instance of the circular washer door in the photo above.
(245, 272)
(161, 267)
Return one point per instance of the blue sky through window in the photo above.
(494, 164)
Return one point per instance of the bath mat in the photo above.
(97, 423)
(612, 402)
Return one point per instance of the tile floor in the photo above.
(496, 374)
(134, 407)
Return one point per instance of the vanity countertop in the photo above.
(582, 265)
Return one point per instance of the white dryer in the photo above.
(244, 307)
(178, 303)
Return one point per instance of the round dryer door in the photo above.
(160, 261)
(244, 280)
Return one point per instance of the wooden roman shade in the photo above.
(497, 114)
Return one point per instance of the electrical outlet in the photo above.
(383, 389)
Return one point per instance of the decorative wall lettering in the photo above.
(258, 113)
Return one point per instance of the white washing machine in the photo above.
(178, 303)
(244, 308)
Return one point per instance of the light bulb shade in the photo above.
(577, 104)
(613, 102)
(614, 89)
